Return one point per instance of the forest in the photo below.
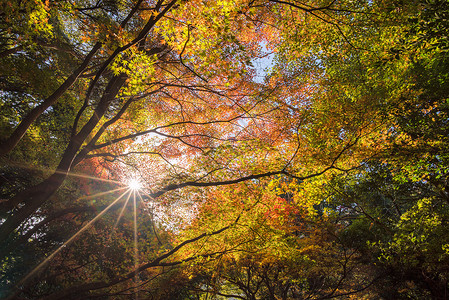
(224, 149)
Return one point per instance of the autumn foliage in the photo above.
(282, 149)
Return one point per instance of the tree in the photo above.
(165, 91)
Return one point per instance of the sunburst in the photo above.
(134, 184)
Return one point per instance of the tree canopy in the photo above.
(232, 149)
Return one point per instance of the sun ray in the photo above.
(121, 214)
(69, 173)
(72, 174)
(66, 243)
(136, 249)
(146, 194)
(101, 193)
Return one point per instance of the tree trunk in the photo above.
(36, 196)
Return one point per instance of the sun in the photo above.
(134, 184)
